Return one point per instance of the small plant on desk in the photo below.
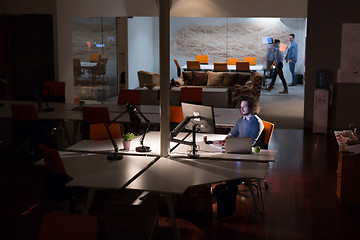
(127, 140)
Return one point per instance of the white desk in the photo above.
(152, 139)
(210, 67)
(94, 171)
(175, 175)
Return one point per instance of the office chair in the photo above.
(59, 226)
(191, 95)
(53, 92)
(129, 96)
(176, 116)
(177, 67)
(192, 65)
(56, 176)
(27, 129)
(251, 60)
(95, 57)
(203, 59)
(232, 61)
(93, 115)
(220, 67)
(97, 131)
(242, 66)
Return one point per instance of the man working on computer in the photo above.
(249, 124)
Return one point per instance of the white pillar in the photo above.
(164, 27)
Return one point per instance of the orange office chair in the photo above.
(268, 131)
(129, 96)
(69, 226)
(192, 65)
(27, 130)
(232, 61)
(97, 131)
(265, 138)
(93, 115)
(242, 66)
(177, 67)
(176, 116)
(53, 92)
(203, 59)
(220, 67)
(251, 60)
(56, 176)
(95, 57)
(191, 95)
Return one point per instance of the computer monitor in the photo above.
(206, 122)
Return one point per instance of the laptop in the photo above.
(238, 145)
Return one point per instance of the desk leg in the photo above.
(170, 202)
(76, 127)
(251, 190)
(63, 124)
(89, 198)
(260, 194)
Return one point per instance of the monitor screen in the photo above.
(206, 122)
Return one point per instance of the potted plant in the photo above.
(127, 140)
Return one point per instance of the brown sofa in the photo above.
(213, 79)
(148, 77)
(239, 83)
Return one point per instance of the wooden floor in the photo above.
(299, 204)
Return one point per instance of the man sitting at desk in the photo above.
(249, 124)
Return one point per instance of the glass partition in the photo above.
(95, 58)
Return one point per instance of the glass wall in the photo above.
(95, 58)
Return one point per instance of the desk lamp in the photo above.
(47, 109)
(131, 109)
(180, 127)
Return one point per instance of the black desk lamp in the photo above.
(180, 127)
(131, 109)
(48, 109)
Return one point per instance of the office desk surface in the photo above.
(152, 139)
(176, 175)
(96, 171)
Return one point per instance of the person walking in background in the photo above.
(291, 57)
(270, 56)
(278, 68)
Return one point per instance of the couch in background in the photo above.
(213, 79)
(148, 78)
(238, 83)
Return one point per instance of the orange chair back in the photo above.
(57, 225)
(191, 95)
(54, 89)
(242, 66)
(24, 112)
(251, 60)
(96, 114)
(53, 162)
(129, 96)
(232, 61)
(220, 67)
(203, 59)
(176, 114)
(193, 65)
(95, 57)
(97, 131)
(176, 63)
(268, 131)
